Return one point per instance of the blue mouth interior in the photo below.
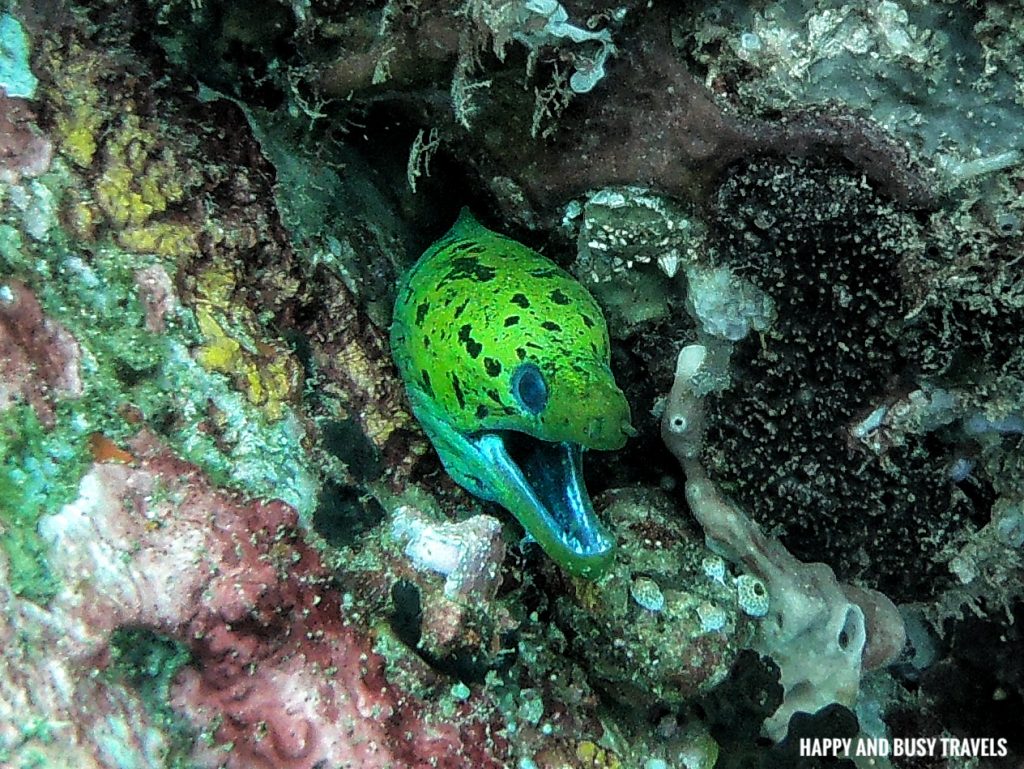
(549, 478)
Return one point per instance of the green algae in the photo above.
(147, 662)
(40, 472)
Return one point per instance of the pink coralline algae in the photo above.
(156, 294)
(280, 679)
(38, 357)
(24, 151)
(51, 710)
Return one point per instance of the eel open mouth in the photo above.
(544, 489)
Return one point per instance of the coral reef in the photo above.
(875, 58)
(225, 540)
(281, 675)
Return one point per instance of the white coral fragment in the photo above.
(589, 69)
(726, 305)
(468, 554)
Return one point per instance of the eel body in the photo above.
(505, 358)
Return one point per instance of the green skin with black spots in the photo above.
(473, 310)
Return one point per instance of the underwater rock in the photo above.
(944, 77)
(667, 621)
(656, 126)
(53, 711)
(24, 151)
(282, 677)
(609, 99)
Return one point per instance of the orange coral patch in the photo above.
(105, 450)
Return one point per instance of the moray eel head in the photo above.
(505, 358)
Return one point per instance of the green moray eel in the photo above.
(505, 359)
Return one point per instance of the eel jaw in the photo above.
(542, 485)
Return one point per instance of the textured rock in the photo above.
(660, 628)
(52, 710)
(24, 150)
(281, 678)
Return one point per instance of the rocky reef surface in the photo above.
(226, 542)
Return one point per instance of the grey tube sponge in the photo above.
(822, 634)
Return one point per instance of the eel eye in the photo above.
(529, 388)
